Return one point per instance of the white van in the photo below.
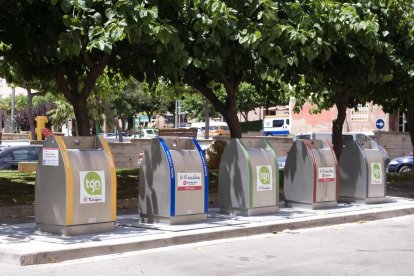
(276, 125)
(199, 125)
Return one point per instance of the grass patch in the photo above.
(399, 177)
(213, 181)
(127, 183)
(18, 188)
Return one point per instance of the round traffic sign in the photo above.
(380, 123)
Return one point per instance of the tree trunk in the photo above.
(111, 117)
(68, 82)
(410, 121)
(341, 102)
(81, 114)
(245, 116)
(227, 109)
(30, 113)
(130, 121)
(230, 115)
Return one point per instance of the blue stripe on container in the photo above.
(204, 162)
(172, 176)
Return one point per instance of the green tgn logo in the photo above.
(264, 175)
(376, 171)
(93, 183)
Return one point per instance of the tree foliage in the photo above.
(343, 75)
(334, 52)
(230, 42)
(22, 116)
(397, 32)
(70, 41)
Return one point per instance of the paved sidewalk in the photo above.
(21, 244)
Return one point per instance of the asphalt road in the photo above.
(384, 247)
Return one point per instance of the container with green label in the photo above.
(75, 186)
(362, 173)
(248, 178)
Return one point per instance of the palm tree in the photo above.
(63, 111)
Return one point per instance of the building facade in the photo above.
(6, 90)
(360, 119)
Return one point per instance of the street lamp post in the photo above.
(133, 125)
(13, 119)
(139, 127)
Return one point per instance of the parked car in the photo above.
(11, 156)
(401, 165)
(149, 133)
(3, 147)
(114, 137)
(218, 129)
(281, 162)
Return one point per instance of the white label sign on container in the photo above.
(189, 181)
(376, 173)
(50, 157)
(264, 178)
(92, 187)
(326, 174)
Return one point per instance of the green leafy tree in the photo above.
(193, 104)
(344, 76)
(397, 29)
(231, 42)
(72, 41)
(143, 97)
(247, 100)
(62, 112)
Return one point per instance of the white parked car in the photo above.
(149, 133)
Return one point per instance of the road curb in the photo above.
(191, 236)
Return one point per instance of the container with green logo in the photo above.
(75, 186)
(248, 178)
(362, 173)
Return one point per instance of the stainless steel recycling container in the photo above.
(75, 189)
(248, 178)
(362, 173)
(173, 182)
(311, 174)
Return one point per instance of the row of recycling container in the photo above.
(76, 180)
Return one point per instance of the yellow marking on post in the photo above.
(69, 180)
(113, 176)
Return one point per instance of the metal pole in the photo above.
(206, 120)
(139, 122)
(133, 124)
(13, 95)
(176, 114)
(179, 114)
